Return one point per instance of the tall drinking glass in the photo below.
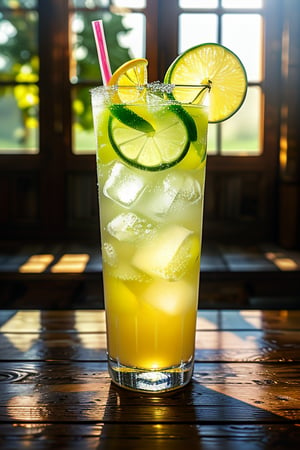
(151, 157)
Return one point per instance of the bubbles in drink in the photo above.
(124, 271)
(123, 185)
(129, 227)
(109, 254)
(190, 190)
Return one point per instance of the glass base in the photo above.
(150, 380)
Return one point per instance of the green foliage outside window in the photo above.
(19, 60)
(87, 65)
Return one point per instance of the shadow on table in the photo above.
(196, 417)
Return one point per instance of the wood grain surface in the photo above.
(55, 390)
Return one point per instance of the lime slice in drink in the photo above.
(130, 118)
(157, 141)
(186, 119)
(217, 66)
(129, 78)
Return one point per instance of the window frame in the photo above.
(55, 161)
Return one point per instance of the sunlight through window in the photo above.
(27, 322)
(71, 263)
(36, 263)
(282, 261)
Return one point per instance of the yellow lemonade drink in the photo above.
(151, 169)
(151, 157)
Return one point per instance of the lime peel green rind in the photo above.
(187, 120)
(130, 118)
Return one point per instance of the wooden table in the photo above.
(55, 391)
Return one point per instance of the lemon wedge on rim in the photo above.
(129, 78)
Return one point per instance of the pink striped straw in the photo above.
(102, 50)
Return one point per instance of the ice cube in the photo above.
(124, 271)
(109, 254)
(170, 254)
(129, 227)
(158, 200)
(123, 185)
(117, 261)
(174, 191)
(170, 297)
(190, 190)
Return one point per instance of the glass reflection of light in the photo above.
(71, 263)
(36, 263)
(21, 322)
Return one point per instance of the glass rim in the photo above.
(151, 86)
(185, 94)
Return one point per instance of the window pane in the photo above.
(135, 39)
(89, 4)
(195, 29)
(18, 47)
(84, 63)
(19, 119)
(18, 4)
(198, 4)
(242, 3)
(212, 145)
(83, 133)
(242, 33)
(241, 133)
(130, 3)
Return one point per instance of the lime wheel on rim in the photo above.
(214, 65)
